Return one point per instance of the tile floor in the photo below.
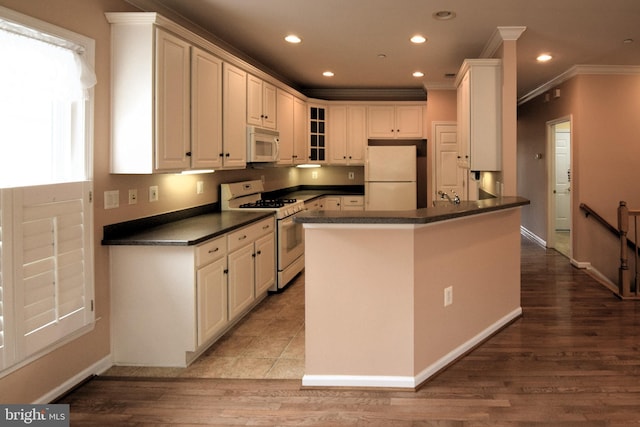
(267, 343)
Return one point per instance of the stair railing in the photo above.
(624, 279)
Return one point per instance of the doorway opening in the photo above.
(559, 181)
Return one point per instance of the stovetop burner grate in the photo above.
(267, 203)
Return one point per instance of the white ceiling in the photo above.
(346, 37)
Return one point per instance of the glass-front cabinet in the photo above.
(317, 134)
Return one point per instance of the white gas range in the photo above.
(289, 235)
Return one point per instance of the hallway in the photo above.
(572, 359)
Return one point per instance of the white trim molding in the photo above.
(581, 70)
(500, 35)
(532, 236)
(408, 381)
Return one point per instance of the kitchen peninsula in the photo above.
(394, 297)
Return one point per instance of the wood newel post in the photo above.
(624, 284)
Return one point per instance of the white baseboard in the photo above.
(95, 369)
(383, 381)
(532, 236)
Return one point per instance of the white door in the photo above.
(448, 176)
(562, 177)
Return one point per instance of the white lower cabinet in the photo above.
(252, 267)
(211, 289)
(171, 302)
(340, 203)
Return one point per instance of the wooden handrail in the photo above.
(588, 211)
(624, 280)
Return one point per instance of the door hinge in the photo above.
(91, 305)
(90, 196)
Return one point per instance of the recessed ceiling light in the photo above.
(627, 41)
(418, 74)
(544, 57)
(382, 56)
(417, 39)
(292, 38)
(444, 15)
(328, 74)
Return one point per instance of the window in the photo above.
(46, 252)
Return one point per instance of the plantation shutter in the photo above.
(53, 281)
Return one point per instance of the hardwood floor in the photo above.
(573, 359)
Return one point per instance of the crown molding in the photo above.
(367, 94)
(580, 70)
(500, 35)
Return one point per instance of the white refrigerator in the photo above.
(390, 178)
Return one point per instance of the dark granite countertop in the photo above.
(307, 193)
(418, 216)
(182, 232)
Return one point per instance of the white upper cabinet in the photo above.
(206, 110)
(347, 134)
(166, 99)
(479, 114)
(292, 125)
(261, 102)
(395, 121)
(234, 128)
(172, 99)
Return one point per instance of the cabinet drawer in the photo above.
(352, 201)
(250, 233)
(210, 251)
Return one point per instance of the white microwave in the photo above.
(263, 145)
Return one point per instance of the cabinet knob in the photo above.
(226, 155)
(188, 153)
(221, 154)
(398, 130)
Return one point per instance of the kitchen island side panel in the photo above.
(359, 301)
(479, 258)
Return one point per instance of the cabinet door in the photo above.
(269, 105)
(300, 149)
(463, 122)
(241, 280)
(409, 121)
(337, 134)
(331, 204)
(206, 110)
(382, 121)
(356, 134)
(285, 127)
(172, 105)
(317, 134)
(265, 252)
(211, 285)
(234, 130)
(254, 100)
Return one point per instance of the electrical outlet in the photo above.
(448, 296)
(133, 196)
(351, 175)
(199, 187)
(111, 199)
(153, 193)
(314, 175)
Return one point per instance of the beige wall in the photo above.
(604, 111)
(176, 192)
